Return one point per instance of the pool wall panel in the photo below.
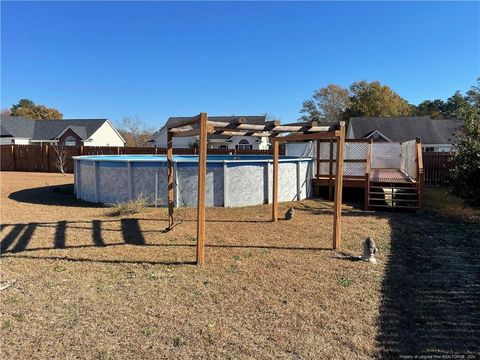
(187, 184)
(112, 180)
(245, 185)
(87, 188)
(143, 182)
(228, 183)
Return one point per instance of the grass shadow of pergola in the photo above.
(16, 242)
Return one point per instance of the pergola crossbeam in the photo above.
(200, 126)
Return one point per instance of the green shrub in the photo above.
(465, 175)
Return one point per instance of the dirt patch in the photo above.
(92, 286)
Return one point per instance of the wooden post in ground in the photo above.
(337, 212)
(202, 171)
(275, 181)
(170, 178)
(420, 184)
(368, 167)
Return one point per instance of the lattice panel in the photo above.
(349, 169)
(354, 169)
(325, 150)
(324, 168)
(353, 151)
(356, 151)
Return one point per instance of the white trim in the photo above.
(378, 132)
(63, 132)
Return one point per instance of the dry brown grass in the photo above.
(96, 287)
(131, 207)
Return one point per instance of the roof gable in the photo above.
(21, 127)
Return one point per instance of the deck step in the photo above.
(393, 195)
(395, 207)
(396, 194)
(393, 187)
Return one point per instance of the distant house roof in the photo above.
(230, 119)
(19, 127)
(400, 129)
(448, 129)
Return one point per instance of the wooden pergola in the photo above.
(297, 132)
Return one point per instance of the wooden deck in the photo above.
(378, 176)
(389, 176)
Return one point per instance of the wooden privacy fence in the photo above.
(436, 167)
(43, 158)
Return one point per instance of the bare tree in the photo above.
(61, 158)
(134, 131)
(5, 112)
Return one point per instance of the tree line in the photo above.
(372, 99)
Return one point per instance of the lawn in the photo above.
(96, 286)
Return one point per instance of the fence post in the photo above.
(47, 156)
(13, 158)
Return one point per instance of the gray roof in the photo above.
(400, 129)
(19, 127)
(448, 129)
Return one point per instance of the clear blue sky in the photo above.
(154, 60)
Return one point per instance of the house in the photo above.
(70, 132)
(216, 141)
(436, 135)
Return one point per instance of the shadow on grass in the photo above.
(16, 241)
(56, 195)
(431, 289)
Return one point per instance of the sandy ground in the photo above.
(89, 285)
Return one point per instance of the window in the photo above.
(429, 149)
(70, 141)
(243, 145)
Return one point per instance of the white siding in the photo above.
(8, 141)
(304, 149)
(178, 142)
(439, 147)
(105, 135)
(256, 144)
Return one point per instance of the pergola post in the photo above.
(202, 171)
(337, 202)
(200, 126)
(276, 151)
(170, 178)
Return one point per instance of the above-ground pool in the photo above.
(231, 180)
